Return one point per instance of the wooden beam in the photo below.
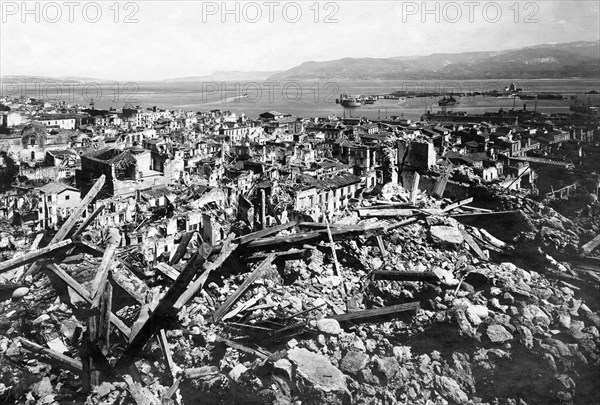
(457, 204)
(336, 264)
(30, 257)
(167, 270)
(372, 313)
(182, 247)
(85, 294)
(381, 246)
(473, 245)
(166, 349)
(89, 220)
(404, 275)
(314, 237)
(244, 239)
(101, 277)
(65, 360)
(164, 310)
(590, 246)
(245, 349)
(384, 213)
(292, 254)
(226, 251)
(36, 242)
(258, 272)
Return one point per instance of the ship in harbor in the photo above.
(445, 101)
(348, 101)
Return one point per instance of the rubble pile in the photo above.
(395, 303)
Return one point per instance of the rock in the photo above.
(104, 389)
(480, 311)
(330, 326)
(358, 344)
(445, 276)
(40, 319)
(498, 334)
(370, 345)
(446, 237)
(317, 379)
(42, 388)
(20, 293)
(449, 388)
(402, 353)
(387, 366)
(285, 367)
(237, 372)
(535, 315)
(354, 361)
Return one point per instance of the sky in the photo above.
(154, 40)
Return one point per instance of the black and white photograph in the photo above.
(310, 202)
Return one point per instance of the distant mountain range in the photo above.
(575, 59)
(549, 61)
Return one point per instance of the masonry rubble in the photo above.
(284, 260)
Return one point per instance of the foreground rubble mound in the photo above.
(409, 307)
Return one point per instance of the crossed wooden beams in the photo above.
(155, 318)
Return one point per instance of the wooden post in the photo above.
(415, 188)
(336, 264)
(102, 274)
(263, 209)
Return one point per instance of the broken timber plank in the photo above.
(76, 214)
(471, 242)
(404, 275)
(83, 293)
(590, 246)
(381, 246)
(167, 270)
(258, 272)
(30, 257)
(102, 274)
(383, 213)
(242, 348)
(336, 264)
(292, 254)
(372, 313)
(36, 242)
(89, 220)
(457, 204)
(244, 239)
(166, 349)
(314, 237)
(226, 251)
(53, 354)
(182, 247)
(164, 307)
(73, 218)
